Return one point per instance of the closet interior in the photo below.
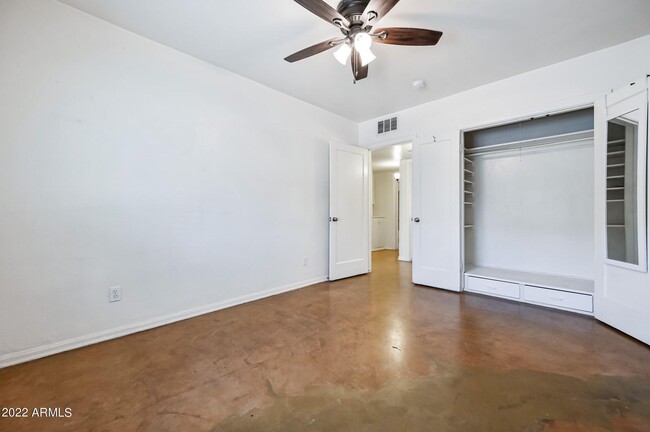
(528, 210)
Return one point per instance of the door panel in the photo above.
(436, 214)
(623, 298)
(349, 221)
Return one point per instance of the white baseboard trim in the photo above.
(400, 258)
(93, 338)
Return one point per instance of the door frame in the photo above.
(399, 141)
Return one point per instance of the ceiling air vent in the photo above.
(388, 125)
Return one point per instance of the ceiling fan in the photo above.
(356, 19)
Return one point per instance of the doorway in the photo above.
(390, 201)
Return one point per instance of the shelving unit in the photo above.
(468, 192)
(498, 175)
(616, 190)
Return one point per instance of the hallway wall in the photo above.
(385, 207)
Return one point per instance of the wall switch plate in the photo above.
(305, 261)
(114, 294)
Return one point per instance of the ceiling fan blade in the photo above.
(378, 8)
(408, 36)
(360, 72)
(314, 49)
(323, 10)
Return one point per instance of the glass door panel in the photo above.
(623, 194)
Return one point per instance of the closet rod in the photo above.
(554, 141)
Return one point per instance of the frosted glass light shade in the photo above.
(366, 56)
(362, 43)
(343, 53)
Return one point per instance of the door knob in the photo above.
(416, 220)
(334, 219)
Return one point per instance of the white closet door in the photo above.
(349, 211)
(436, 214)
(623, 299)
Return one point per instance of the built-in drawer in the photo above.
(492, 287)
(563, 299)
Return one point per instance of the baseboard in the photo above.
(93, 338)
(400, 258)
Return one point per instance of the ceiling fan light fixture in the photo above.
(343, 53)
(362, 43)
(357, 20)
(366, 57)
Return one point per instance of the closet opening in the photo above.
(528, 210)
(390, 203)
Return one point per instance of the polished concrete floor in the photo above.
(371, 353)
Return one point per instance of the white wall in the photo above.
(405, 210)
(534, 210)
(123, 162)
(384, 210)
(578, 81)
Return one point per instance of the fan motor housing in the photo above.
(349, 8)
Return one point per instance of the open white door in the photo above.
(349, 211)
(436, 214)
(623, 298)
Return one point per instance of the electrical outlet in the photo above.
(114, 294)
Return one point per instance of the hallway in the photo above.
(370, 353)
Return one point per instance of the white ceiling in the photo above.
(483, 41)
(387, 159)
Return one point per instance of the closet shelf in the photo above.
(615, 188)
(615, 177)
(616, 165)
(467, 181)
(615, 200)
(616, 141)
(615, 226)
(562, 139)
(468, 171)
(468, 160)
(469, 203)
(469, 226)
(469, 192)
(616, 153)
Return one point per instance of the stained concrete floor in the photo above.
(371, 353)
